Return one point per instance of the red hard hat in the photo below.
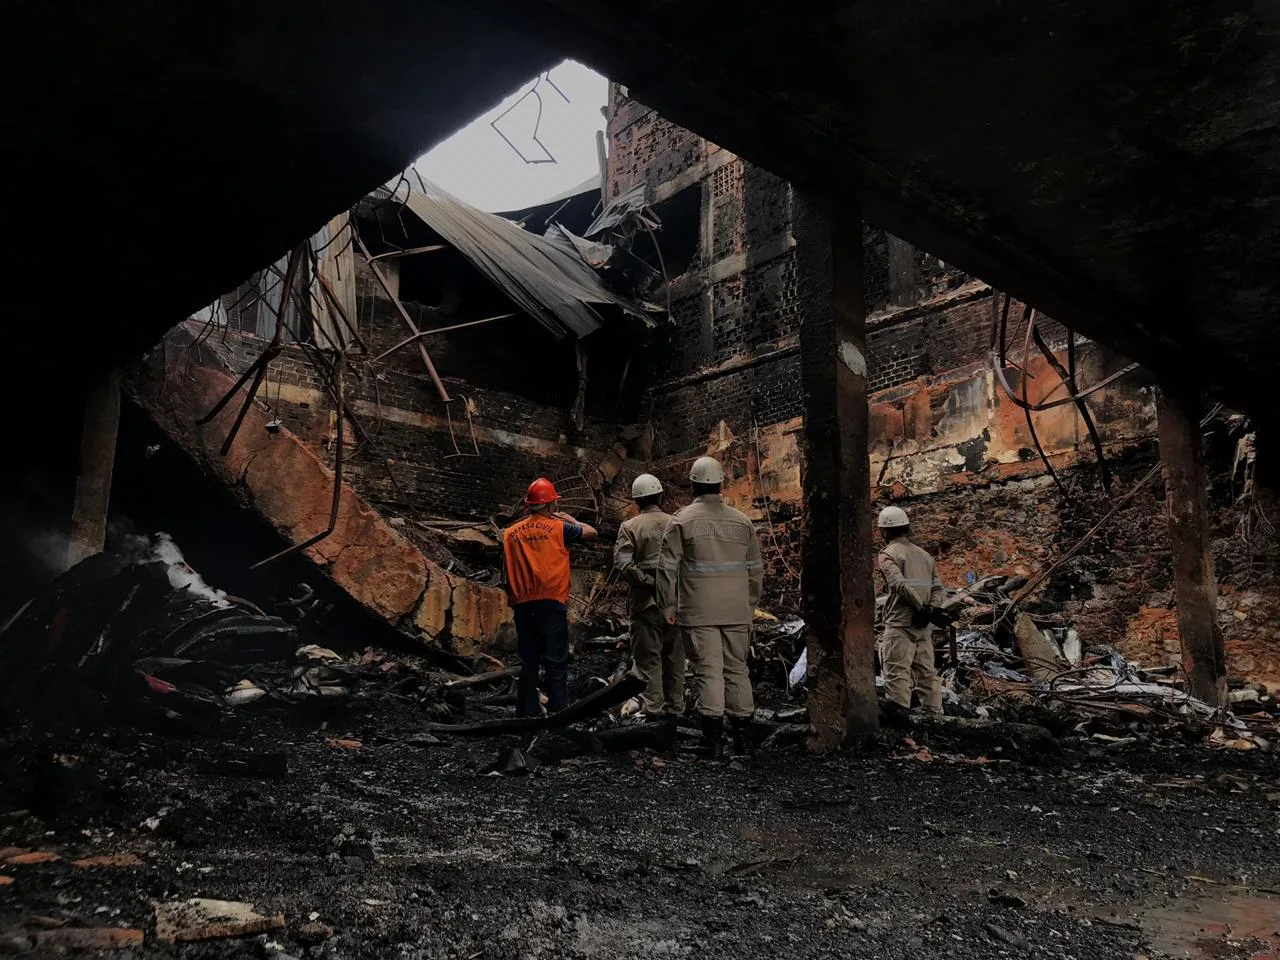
(541, 490)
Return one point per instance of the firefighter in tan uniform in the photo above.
(915, 600)
(709, 581)
(656, 646)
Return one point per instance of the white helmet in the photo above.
(892, 517)
(707, 470)
(645, 485)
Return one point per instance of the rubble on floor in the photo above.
(407, 846)
(134, 638)
(1001, 664)
(202, 919)
(1004, 662)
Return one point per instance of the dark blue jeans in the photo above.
(542, 639)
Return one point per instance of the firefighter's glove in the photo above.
(941, 617)
(922, 617)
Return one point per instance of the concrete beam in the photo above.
(837, 551)
(1178, 413)
(97, 463)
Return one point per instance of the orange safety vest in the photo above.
(536, 559)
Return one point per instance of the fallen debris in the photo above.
(312, 933)
(113, 639)
(513, 760)
(1043, 658)
(31, 858)
(186, 921)
(114, 860)
(606, 698)
(1011, 665)
(89, 938)
(481, 678)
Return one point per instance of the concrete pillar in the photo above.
(1186, 503)
(97, 461)
(837, 552)
(904, 273)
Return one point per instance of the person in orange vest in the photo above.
(535, 563)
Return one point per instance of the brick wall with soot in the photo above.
(767, 389)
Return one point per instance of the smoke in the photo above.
(139, 548)
(181, 575)
(49, 550)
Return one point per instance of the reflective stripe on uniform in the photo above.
(720, 566)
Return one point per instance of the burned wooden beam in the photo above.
(479, 678)
(604, 699)
(837, 550)
(1187, 513)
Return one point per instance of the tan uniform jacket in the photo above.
(709, 570)
(910, 579)
(635, 557)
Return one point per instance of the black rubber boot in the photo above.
(738, 733)
(670, 732)
(894, 716)
(713, 737)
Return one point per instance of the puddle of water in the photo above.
(1206, 927)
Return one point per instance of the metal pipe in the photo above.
(1029, 317)
(1068, 380)
(426, 333)
(394, 254)
(264, 361)
(337, 485)
(408, 320)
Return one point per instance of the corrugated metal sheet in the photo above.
(548, 280)
(332, 248)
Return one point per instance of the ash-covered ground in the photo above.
(405, 848)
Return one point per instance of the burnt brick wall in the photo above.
(645, 147)
(765, 392)
(925, 316)
(930, 340)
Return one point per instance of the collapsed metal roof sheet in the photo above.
(550, 281)
(622, 206)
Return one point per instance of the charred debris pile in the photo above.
(140, 640)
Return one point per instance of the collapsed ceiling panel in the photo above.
(550, 281)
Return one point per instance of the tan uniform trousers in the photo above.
(658, 652)
(720, 669)
(906, 654)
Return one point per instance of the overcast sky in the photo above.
(477, 165)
